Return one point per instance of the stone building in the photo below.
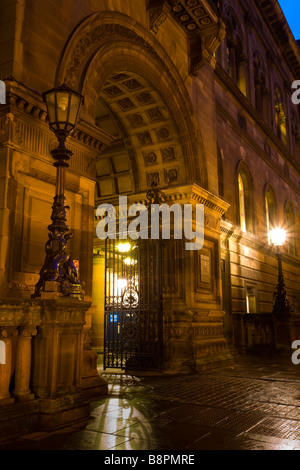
(194, 95)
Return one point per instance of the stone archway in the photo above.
(147, 143)
(110, 43)
(146, 147)
(128, 80)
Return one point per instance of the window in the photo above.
(251, 299)
(242, 203)
(290, 229)
(280, 118)
(295, 134)
(259, 85)
(220, 172)
(270, 211)
(245, 213)
(235, 56)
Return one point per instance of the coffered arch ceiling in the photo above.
(147, 144)
(107, 45)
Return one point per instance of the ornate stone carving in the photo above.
(136, 120)
(150, 158)
(145, 139)
(87, 335)
(157, 16)
(27, 331)
(155, 115)
(8, 332)
(171, 175)
(168, 154)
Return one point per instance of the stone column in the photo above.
(22, 391)
(6, 370)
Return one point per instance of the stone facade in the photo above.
(193, 93)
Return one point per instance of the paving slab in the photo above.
(251, 405)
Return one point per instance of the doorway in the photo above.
(133, 324)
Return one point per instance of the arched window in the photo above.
(290, 229)
(280, 118)
(235, 57)
(295, 134)
(270, 210)
(244, 199)
(242, 203)
(259, 85)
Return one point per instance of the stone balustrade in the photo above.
(44, 382)
(18, 324)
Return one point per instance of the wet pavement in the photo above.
(251, 405)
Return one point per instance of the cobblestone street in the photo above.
(251, 405)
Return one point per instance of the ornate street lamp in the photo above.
(281, 305)
(58, 273)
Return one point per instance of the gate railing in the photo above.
(133, 314)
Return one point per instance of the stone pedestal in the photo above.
(58, 358)
(45, 382)
(92, 384)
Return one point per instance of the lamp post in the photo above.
(281, 305)
(58, 274)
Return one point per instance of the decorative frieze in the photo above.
(25, 126)
(210, 348)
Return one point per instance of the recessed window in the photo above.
(251, 300)
(280, 118)
(290, 229)
(270, 211)
(242, 203)
(244, 199)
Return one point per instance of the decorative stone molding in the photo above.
(157, 15)
(8, 332)
(16, 128)
(98, 30)
(87, 335)
(27, 331)
(210, 348)
(185, 194)
(209, 44)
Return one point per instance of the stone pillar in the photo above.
(22, 391)
(6, 370)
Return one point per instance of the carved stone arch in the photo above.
(107, 43)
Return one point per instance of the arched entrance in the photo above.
(134, 92)
(127, 291)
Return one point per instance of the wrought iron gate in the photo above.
(133, 312)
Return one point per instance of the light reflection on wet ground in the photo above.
(252, 405)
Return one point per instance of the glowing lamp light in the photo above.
(278, 236)
(122, 284)
(63, 106)
(130, 262)
(123, 247)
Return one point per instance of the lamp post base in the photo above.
(56, 289)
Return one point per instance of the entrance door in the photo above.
(133, 311)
